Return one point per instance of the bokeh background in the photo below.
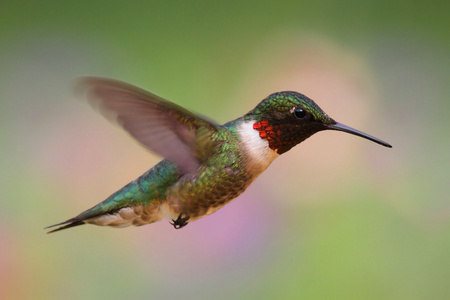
(337, 217)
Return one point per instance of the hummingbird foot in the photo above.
(179, 222)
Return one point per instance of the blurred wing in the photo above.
(161, 126)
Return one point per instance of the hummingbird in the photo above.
(206, 165)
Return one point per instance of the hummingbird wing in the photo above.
(159, 125)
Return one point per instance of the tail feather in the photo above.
(66, 224)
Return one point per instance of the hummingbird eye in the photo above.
(299, 113)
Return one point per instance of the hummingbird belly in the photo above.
(135, 215)
(216, 183)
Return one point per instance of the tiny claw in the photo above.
(179, 222)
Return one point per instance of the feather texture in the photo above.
(159, 125)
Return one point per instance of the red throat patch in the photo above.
(270, 133)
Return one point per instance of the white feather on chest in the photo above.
(259, 154)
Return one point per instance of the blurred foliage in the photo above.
(335, 218)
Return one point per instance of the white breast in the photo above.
(258, 151)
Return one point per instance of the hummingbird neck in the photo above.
(257, 149)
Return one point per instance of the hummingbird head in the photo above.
(285, 119)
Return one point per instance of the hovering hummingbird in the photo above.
(206, 165)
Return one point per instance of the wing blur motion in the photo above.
(161, 126)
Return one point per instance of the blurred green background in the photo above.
(337, 217)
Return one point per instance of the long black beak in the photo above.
(345, 128)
